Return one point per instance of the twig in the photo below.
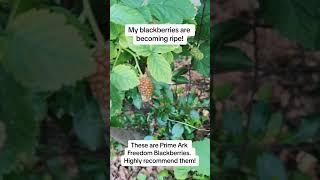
(135, 59)
(189, 125)
(201, 22)
(13, 13)
(88, 12)
(254, 89)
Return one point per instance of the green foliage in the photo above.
(270, 167)
(232, 59)
(116, 97)
(123, 77)
(88, 126)
(174, 12)
(203, 151)
(159, 68)
(19, 128)
(274, 125)
(222, 92)
(229, 31)
(308, 130)
(130, 61)
(38, 65)
(259, 116)
(121, 14)
(296, 20)
(232, 122)
(163, 174)
(46, 56)
(141, 176)
(181, 172)
(203, 65)
(177, 131)
(248, 145)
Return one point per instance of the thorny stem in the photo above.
(93, 23)
(136, 60)
(13, 13)
(199, 129)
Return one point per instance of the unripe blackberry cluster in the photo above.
(145, 87)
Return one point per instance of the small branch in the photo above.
(118, 55)
(93, 23)
(136, 60)
(189, 125)
(13, 13)
(201, 22)
(254, 89)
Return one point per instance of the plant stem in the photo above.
(13, 13)
(93, 23)
(189, 125)
(136, 60)
(118, 54)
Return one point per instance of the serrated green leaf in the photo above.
(260, 114)
(145, 11)
(88, 125)
(167, 11)
(180, 80)
(169, 57)
(229, 31)
(177, 131)
(123, 15)
(133, 3)
(297, 20)
(265, 93)
(162, 48)
(19, 128)
(164, 173)
(224, 91)
(123, 58)
(274, 125)
(123, 77)
(141, 176)
(136, 98)
(83, 29)
(232, 122)
(230, 58)
(147, 50)
(36, 55)
(203, 151)
(194, 115)
(159, 68)
(116, 100)
(203, 22)
(203, 66)
(27, 5)
(124, 41)
(270, 167)
(115, 30)
(308, 129)
(181, 71)
(181, 173)
(113, 50)
(112, 2)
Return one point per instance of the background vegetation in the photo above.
(53, 87)
(266, 89)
